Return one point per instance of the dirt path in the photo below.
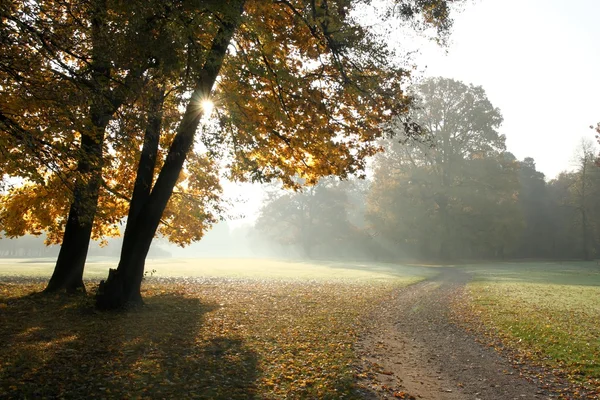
(417, 351)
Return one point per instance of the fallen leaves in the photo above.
(203, 338)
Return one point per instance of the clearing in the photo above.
(269, 329)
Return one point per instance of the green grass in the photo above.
(548, 312)
(574, 273)
(225, 329)
(97, 268)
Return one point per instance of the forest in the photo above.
(454, 194)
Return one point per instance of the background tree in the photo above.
(566, 240)
(313, 222)
(454, 194)
(584, 191)
(536, 239)
(573, 210)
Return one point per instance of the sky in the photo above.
(539, 63)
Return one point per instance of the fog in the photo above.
(452, 192)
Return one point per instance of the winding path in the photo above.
(417, 352)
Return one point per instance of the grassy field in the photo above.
(97, 268)
(548, 312)
(230, 329)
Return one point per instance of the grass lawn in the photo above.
(97, 268)
(211, 329)
(548, 312)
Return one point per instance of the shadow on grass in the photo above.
(391, 269)
(577, 273)
(60, 347)
(36, 260)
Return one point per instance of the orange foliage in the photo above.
(304, 92)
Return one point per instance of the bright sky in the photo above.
(539, 62)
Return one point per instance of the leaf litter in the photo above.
(194, 338)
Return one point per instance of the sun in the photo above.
(207, 108)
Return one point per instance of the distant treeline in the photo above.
(29, 246)
(455, 193)
(25, 247)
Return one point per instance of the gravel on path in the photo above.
(412, 350)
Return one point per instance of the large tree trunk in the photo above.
(68, 272)
(147, 162)
(141, 193)
(122, 288)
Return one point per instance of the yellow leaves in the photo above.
(262, 343)
(33, 209)
(288, 96)
(195, 204)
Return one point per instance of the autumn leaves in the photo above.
(301, 90)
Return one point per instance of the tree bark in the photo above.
(68, 272)
(122, 288)
(141, 194)
(147, 163)
(582, 206)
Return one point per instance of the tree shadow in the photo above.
(574, 273)
(61, 347)
(387, 268)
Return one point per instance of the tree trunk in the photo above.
(123, 286)
(140, 196)
(147, 163)
(68, 272)
(444, 252)
(582, 209)
(584, 236)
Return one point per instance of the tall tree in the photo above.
(584, 192)
(123, 284)
(304, 90)
(451, 195)
(69, 45)
(67, 69)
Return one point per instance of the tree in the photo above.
(321, 87)
(71, 66)
(313, 219)
(59, 51)
(453, 194)
(536, 240)
(566, 240)
(584, 191)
